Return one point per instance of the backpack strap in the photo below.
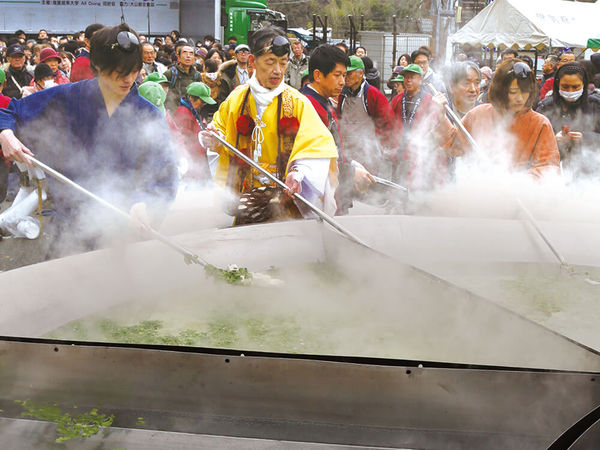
(340, 105)
(17, 84)
(365, 94)
(173, 76)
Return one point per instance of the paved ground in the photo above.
(17, 252)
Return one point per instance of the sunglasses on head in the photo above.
(280, 46)
(126, 40)
(520, 70)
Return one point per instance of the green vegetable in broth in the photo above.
(68, 426)
(279, 334)
(233, 275)
(146, 332)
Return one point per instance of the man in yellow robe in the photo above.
(277, 127)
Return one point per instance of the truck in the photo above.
(193, 18)
(243, 17)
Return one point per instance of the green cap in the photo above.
(156, 77)
(398, 78)
(154, 93)
(414, 68)
(304, 73)
(2, 76)
(200, 90)
(355, 63)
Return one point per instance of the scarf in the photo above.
(263, 96)
(213, 83)
(186, 104)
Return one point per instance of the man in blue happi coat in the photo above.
(101, 134)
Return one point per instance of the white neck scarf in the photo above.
(263, 96)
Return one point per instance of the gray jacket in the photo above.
(178, 83)
(293, 76)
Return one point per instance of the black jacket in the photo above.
(582, 116)
(23, 77)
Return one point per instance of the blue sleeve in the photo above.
(23, 110)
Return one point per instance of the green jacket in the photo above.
(178, 83)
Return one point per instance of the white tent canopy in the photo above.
(530, 23)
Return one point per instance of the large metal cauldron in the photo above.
(488, 378)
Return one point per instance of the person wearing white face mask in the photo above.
(43, 78)
(572, 111)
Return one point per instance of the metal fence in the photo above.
(380, 48)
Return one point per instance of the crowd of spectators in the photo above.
(564, 101)
(559, 110)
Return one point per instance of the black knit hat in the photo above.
(572, 68)
(42, 71)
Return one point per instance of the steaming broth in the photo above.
(324, 309)
(544, 293)
(319, 309)
(241, 317)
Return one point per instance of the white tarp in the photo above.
(530, 23)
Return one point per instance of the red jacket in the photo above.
(326, 111)
(61, 78)
(189, 129)
(4, 101)
(81, 69)
(419, 145)
(547, 87)
(380, 111)
(322, 112)
(425, 114)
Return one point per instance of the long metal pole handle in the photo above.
(458, 123)
(535, 225)
(389, 183)
(188, 256)
(322, 214)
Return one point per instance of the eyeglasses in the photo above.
(280, 46)
(520, 70)
(126, 40)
